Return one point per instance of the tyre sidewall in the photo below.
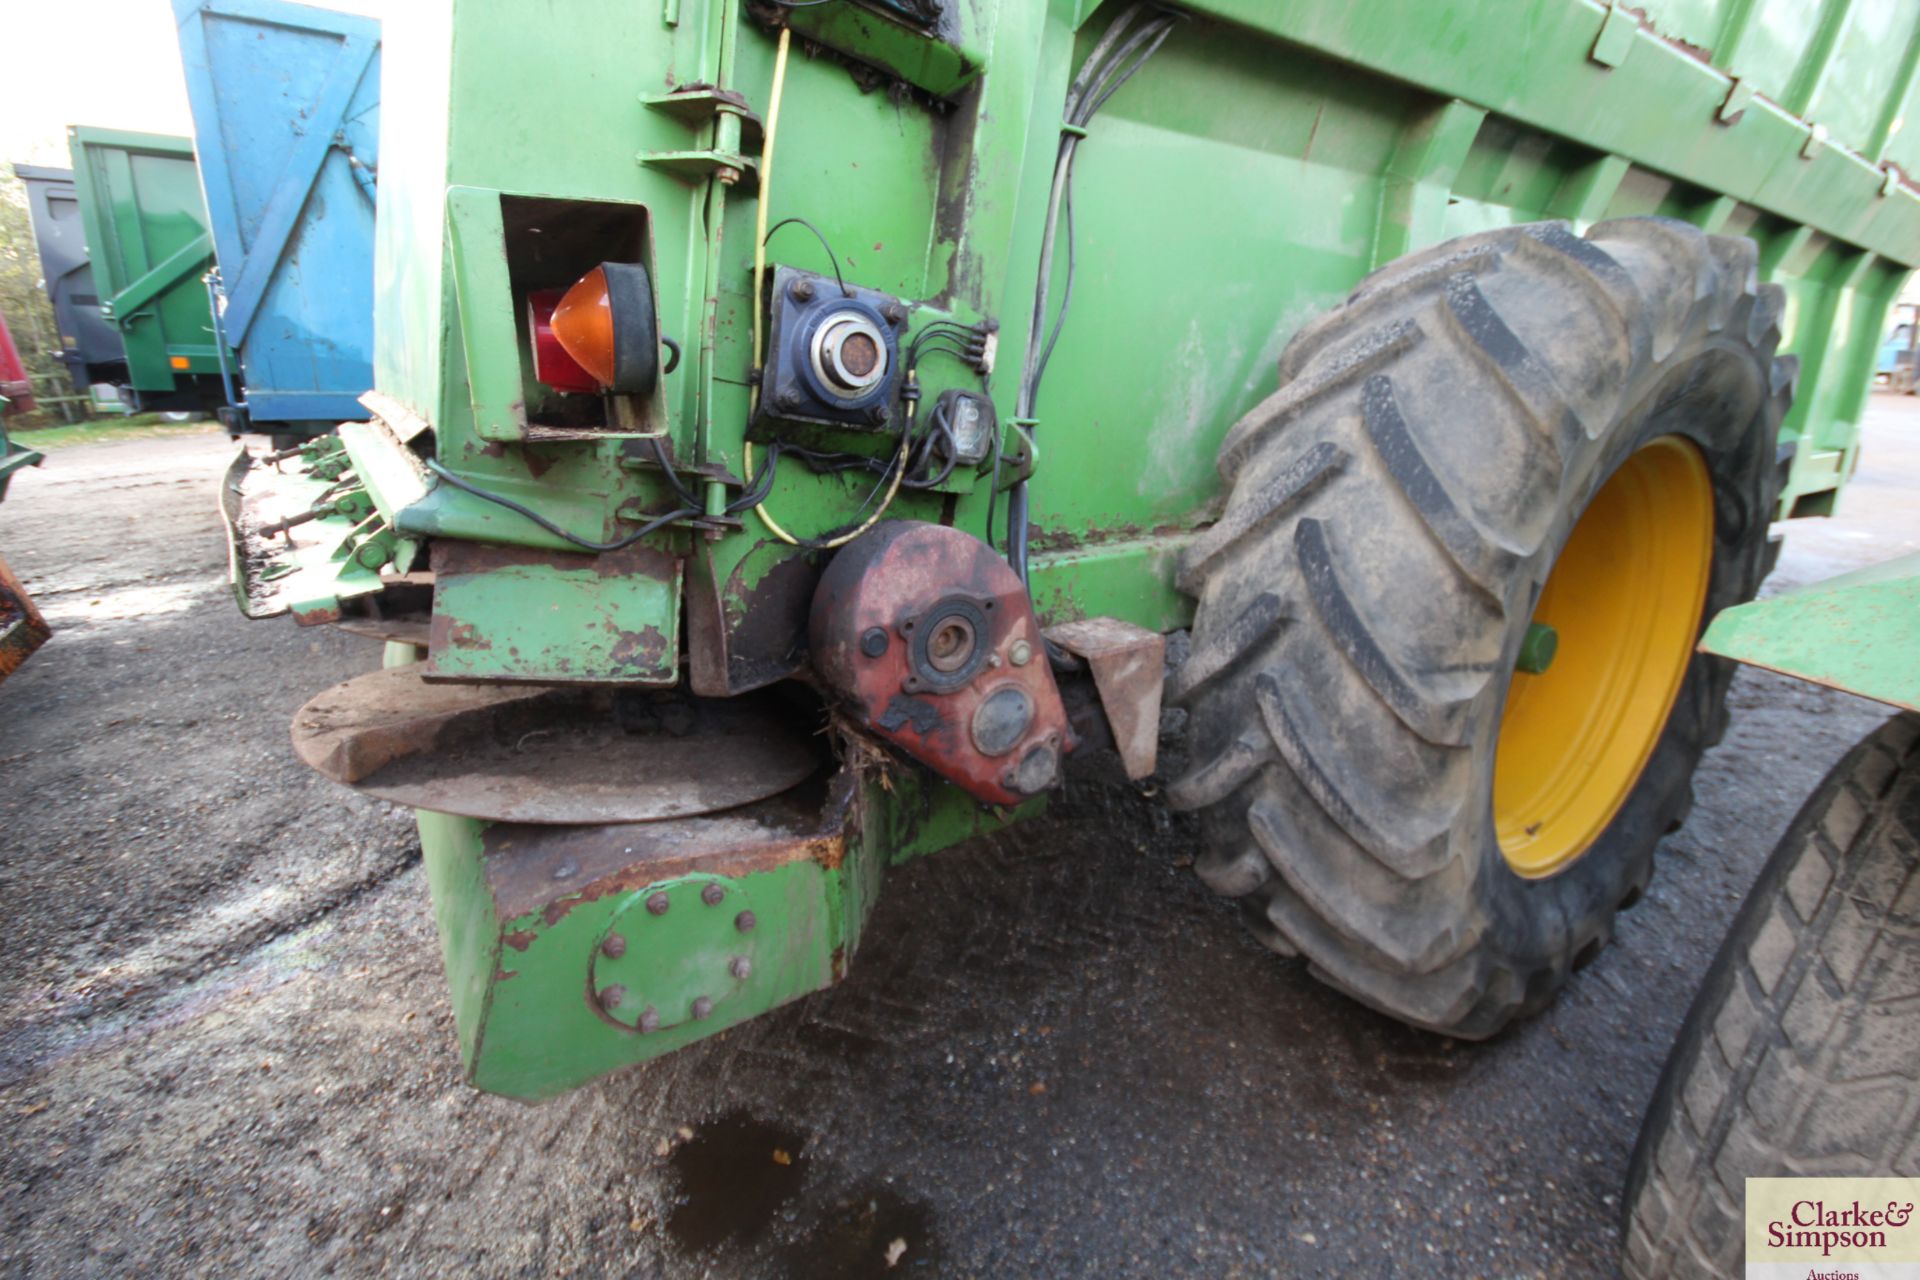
(1715, 397)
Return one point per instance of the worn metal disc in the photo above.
(411, 631)
(518, 753)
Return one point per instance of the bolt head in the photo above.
(740, 967)
(879, 414)
(713, 894)
(702, 1008)
(745, 921)
(1021, 653)
(649, 1019)
(873, 642)
(802, 290)
(614, 947)
(658, 904)
(790, 399)
(895, 313)
(610, 997)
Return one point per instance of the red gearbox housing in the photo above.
(927, 638)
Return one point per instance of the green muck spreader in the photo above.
(799, 427)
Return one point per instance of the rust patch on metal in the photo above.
(413, 631)
(355, 729)
(829, 851)
(927, 638)
(768, 622)
(546, 754)
(538, 464)
(521, 939)
(640, 650)
(743, 638)
(22, 628)
(462, 635)
(706, 626)
(810, 823)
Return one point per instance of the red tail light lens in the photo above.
(551, 363)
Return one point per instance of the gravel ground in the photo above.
(225, 1046)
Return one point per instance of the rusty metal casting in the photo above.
(914, 631)
(22, 629)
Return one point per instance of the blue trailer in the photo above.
(286, 114)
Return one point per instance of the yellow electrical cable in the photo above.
(766, 184)
(759, 278)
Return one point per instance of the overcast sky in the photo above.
(112, 63)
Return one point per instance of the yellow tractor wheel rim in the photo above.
(1623, 603)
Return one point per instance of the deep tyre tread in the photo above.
(1801, 1054)
(1394, 509)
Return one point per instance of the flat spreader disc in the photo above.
(519, 753)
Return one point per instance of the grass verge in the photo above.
(140, 426)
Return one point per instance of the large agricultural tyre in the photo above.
(1801, 1054)
(1515, 437)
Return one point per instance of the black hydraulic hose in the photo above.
(652, 526)
(1120, 53)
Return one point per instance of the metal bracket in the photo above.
(697, 166)
(1734, 105)
(1129, 671)
(1615, 41)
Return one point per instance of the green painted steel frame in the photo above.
(1272, 154)
(1417, 122)
(1859, 632)
(521, 971)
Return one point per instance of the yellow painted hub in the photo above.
(1625, 597)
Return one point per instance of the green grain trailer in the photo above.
(799, 427)
(146, 226)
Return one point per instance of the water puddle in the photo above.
(739, 1198)
(735, 1174)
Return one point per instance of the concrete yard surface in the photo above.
(226, 1047)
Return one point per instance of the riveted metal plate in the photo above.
(676, 951)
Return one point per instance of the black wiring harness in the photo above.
(755, 492)
(1121, 52)
(1132, 38)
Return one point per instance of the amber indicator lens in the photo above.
(582, 323)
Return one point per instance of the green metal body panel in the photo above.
(521, 615)
(146, 226)
(1268, 157)
(1859, 632)
(1328, 139)
(543, 1003)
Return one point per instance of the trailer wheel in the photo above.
(1801, 1053)
(1443, 693)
